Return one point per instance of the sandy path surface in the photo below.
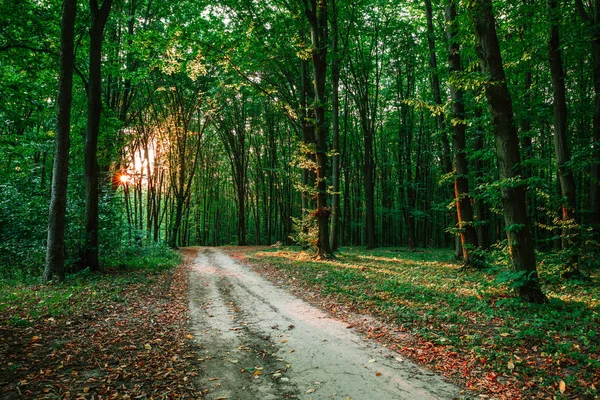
(260, 342)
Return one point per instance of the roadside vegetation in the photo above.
(467, 325)
(121, 333)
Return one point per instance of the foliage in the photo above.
(464, 323)
(305, 232)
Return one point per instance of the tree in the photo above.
(513, 190)
(464, 210)
(366, 65)
(591, 18)
(316, 13)
(561, 145)
(55, 250)
(99, 16)
(233, 129)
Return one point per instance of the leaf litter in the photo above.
(131, 346)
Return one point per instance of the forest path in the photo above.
(260, 342)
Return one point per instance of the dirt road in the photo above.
(259, 342)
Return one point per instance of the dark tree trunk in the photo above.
(464, 210)
(241, 200)
(316, 13)
(483, 226)
(441, 119)
(175, 235)
(592, 18)
(369, 184)
(308, 135)
(513, 190)
(561, 147)
(99, 17)
(435, 87)
(335, 121)
(55, 252)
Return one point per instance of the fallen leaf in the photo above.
(378, 373)
(147, 346)
(372, 360)
(213, 379)
(562, 386)
(311, 390)
(511, 365)
(256, 373)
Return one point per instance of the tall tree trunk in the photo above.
(441, 118)
(99, 17)
(55, 252)
(308, 135)
(513, 191)
(483, 225)
(435, 87)
(316, 13)
(592, 18)
(464, 210)
(369, 184)
(561, 146)
(335, 121)
(241, 195)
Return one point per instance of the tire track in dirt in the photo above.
(259, 342)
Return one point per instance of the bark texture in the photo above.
(99, 16)
(55, 251)
(561, 146)
(464, 210)
(316, 12)
(513, 190)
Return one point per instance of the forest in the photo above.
(369, 123)
(461, 133)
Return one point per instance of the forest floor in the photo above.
(464, 324)
(122, 334)
(222, 329)
(258, 341)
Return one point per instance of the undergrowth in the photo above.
(550, 350)
(132, 265)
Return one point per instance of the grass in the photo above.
(23, 302)
(121, 333)
(424, 293)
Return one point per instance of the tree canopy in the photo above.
(320, 122)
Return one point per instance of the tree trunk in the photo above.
(99, 17)
(483, 225)
(55, 251)
(513, 190)
(464, 210)
(561, 147)
(335, 121)
(317, 17)
(592, 18)
(369, 183)
(435, 87)
(241, 196)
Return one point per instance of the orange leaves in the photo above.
(134, 345)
